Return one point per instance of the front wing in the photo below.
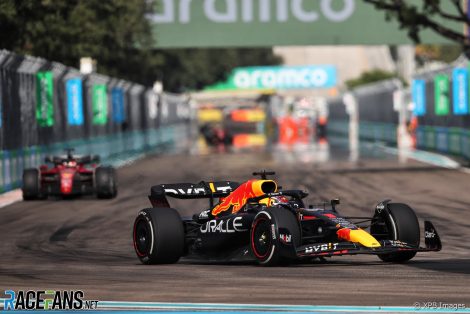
(432, 243)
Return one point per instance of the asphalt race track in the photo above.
(86, 243)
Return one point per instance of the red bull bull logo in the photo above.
(344, 234)
(238, 198)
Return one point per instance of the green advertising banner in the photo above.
(441, 95)
(100, 104)
(264, 23)
(44, 99)
(278, 77)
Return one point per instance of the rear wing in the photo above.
(209, 190)
(86, 159)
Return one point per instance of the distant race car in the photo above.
(70, 175)
(258, 220)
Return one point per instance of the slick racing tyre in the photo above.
(402, 225)
(265, 237)
(105, 182)
(31, 184)
(158, 236)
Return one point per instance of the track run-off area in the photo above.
(85, 244)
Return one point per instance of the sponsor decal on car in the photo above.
(397, 243)
(343, 223)
(204, 214)
(286, 238)
(223, 189)
(321, 247)
(197, 190)
(223, 226)
(303, 217)
(190, 191)
(380, 207)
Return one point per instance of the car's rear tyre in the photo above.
(158, 236)
(401, 225)
(105, 181)
(265, 239)
(31, 187)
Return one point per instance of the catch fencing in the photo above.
(378, 119)
(436, 108)
(441, 106)
(46, 106)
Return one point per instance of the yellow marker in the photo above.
(211, 185)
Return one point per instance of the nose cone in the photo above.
(358, 236)
(66, 182)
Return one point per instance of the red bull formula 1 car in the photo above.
(260, 221)
(70, 175)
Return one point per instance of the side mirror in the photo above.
(95, 158)
(334, 202)
(48, 159)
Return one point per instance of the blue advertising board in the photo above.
(74, 101)
(117, 99)
(418, 91)
(460, 90)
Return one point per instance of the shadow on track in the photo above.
(388, 169)
(453, 265)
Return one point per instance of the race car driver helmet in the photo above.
(279, 200)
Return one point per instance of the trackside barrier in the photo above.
(455, 136)
(378, 119)
(338, 127)
(447, 140)
(429, 138)
(442, 139)
(378, 131)
(445, 130)
(466, 144)
(441, 106)
(2, 176)
(46, 106)
(110, 148)
(435, 108)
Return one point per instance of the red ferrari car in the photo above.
(70, 175)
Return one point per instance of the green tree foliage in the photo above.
(370, 77)
(444, 53)
(193, 69)
(415, 16)
(64, 31)
(118, 36)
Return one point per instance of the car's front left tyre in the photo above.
(158, 236)
(398, 223)
(31, 187)
(270, 228)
